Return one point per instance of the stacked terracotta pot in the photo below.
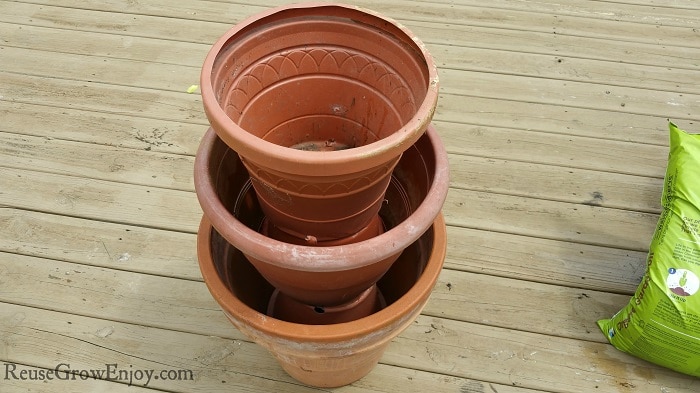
(321, 181)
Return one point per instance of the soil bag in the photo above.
(661, 323)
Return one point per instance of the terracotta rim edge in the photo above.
(331, 258)
(416, 297)
(365, 156)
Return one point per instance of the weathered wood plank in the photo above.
(91, 68)
(461, 83)
(102, 44)
(177, 210)
(45, 154)
(100, 200)
(580, 154)
(662, 12)
(105, 98)
(511, 19)
(47, 338)
(680, 4)
(671, 14)
(475, 14)
(553, 310)
(173, 254)
(141, 133)
(446, 42)
(567, 67)
(564, 120)
(597, 157)
(549, 219)
(149, 300)
(558, 149)
(559, 182)
(524, 360)
(552, 63)
(207, 11)
(568, 94)
(554, 119)
(528, 360)
(183, 305)
(556, 45)
(124, 24)
(492, 112)
(543, 260)
(611, 124)
(99, 243)
(143, 73)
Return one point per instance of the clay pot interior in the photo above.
(331, 209)
(250, 287)
(408, 187)
(322, 78)
(374, 228)
(289, 309)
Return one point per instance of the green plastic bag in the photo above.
(661, 323)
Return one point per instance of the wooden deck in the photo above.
(555, 117)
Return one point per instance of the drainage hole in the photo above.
(319, 310)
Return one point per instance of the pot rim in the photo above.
(367, 328)
(304, 162)
(321, 259)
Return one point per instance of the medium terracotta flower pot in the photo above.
(322, 355)
(319, 100)
(323, 276)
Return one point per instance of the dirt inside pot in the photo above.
(327, 145)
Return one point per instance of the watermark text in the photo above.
(110, 372)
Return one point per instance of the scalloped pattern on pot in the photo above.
(347, 63)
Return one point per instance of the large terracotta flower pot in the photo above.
(323, 276)
(319, 101)
(322, 355)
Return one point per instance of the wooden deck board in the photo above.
(554, 116)
(185, 305)
(177, 210)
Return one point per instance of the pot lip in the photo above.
(365, 328)
(268, 154)
(321, 259)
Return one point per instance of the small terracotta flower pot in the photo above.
(322, 355)
(323, 276)
(320, 101)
